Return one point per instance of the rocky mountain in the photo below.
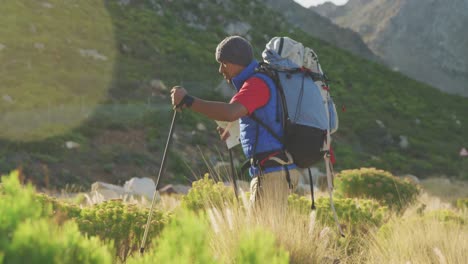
(321, 28)
(425, 40)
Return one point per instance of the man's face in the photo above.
(229, 70)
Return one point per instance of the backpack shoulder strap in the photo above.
(256, 119)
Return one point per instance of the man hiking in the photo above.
(273, 173)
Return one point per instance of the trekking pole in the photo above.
(161, 170)
(233, 177)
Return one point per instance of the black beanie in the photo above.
(236, 50)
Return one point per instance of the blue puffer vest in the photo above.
(269, 114)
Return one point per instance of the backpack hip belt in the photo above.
(269, 159)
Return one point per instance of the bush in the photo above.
(370, 183)
(60, 210)
(462, 203)
(354, 214)
(17, 204)
(27, 235)
(185, 240)
(121, 223)
(259, 246)
(446, 216)
(42, 242)
(206, 193)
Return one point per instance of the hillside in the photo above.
(424, 39)
(391, 122)
(322, 28)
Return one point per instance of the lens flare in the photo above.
(56, 65)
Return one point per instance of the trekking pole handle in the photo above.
(161, 171)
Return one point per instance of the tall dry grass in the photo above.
(306, 240)
(420, 240)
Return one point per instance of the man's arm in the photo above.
(219, 110)
(214, 110)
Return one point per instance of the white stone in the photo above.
(106, 191)
(237, 28)
(158, 85)
(380, 123)
(201, 127)
(404, 143)
(8, 99)
(47, 5)
(464, 152)
(92, 54)
(71, 145)
(39, 46)
(2, 46)
(141, 186)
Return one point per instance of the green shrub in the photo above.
(42, 242)
(462, 203)
(60, 209)
(446, 216)
(185, 240)
(259, 246)
(371, 183)
(206, 193)
(17, 204)
(27, 234)
(121, 223)
(354, 214)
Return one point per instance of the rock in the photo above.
(106, 191)
(167, 190)
(8, 99)
(140, 186)
(2, 47)
(404, 143)
(411, 178)
(201, 127)
(463, 152)
(380, 123)
(124, 2)
(181, 189)
(91, 53)
(158, 85)
(174, 189)
(47, 5)
(316, 174)
(237, 28)
(71, 145)
(39, 46)
(124, 48)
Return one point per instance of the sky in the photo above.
(308, 3)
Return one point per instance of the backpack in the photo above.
(309, 113)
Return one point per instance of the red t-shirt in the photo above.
(253, 94)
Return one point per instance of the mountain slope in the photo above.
(321, 28)
(423, 39)
(390, 122)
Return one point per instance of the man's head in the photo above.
(234, 53)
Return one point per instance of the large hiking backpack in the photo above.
(309, 114)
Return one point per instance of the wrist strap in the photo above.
(187, 101)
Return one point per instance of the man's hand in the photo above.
(177, 93)
(223, 134)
